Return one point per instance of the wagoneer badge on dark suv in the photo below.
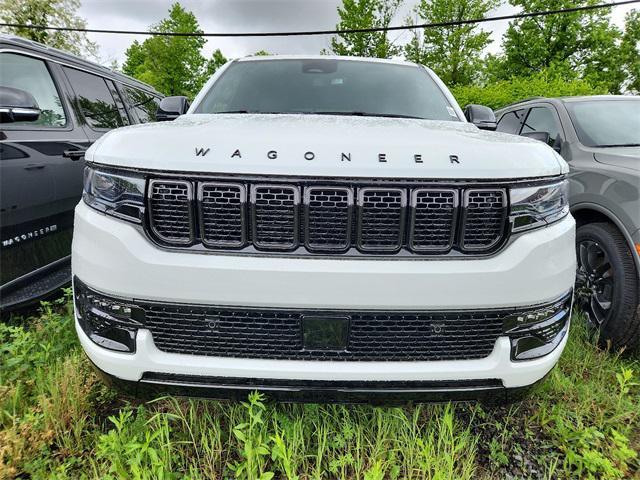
(323, 227)
(52, 107)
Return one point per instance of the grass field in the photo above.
(58, 421)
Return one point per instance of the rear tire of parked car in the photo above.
(607, 286)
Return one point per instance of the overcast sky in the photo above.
(248, 15)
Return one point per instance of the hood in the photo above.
(625, 157)
(325, 145)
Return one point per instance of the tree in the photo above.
(547, 83)
(630, 50)
(584, 43)
(356, 14)
(173, 65)
(52, 13)
(454, 53)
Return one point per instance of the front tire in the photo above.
(607, 286)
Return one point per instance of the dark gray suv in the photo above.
(599, 136)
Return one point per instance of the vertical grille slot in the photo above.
(170, 211)
(433, 219)
(275, 216)
(327, 220)
(484, 218)
(381, 219)
(222, 214)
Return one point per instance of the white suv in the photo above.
(323, 228)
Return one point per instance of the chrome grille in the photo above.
(347, 217)
(381, 213)
(222, 214)
(170, 211)
(485, 216)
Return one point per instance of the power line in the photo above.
(329, 32)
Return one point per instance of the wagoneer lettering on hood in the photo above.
(325, 145)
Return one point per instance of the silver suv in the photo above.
(599, 136)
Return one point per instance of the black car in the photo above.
(53, 106)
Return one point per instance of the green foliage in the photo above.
(173, 65)
(630, 50)
(357, 14)
(54, 13)
(454, 53)
(546, 83)
(582, 43)
(58, 421)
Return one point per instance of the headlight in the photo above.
(533, 207)
(115, 193)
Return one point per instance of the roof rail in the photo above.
(69, 57)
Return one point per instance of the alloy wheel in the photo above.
(594, 282)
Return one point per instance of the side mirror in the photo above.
(481, 116)
(17, 106)
(546, 138)
(171, 108)
(542, 136)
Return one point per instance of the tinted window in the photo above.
(144, 104)
(95, 100)
(606, 123)
(327, 86)
(542, 119)
(32, 75)
(510, 122)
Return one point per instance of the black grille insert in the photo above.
(277, 334)
(484, 220)
(328, 213)
(222, 214)
(381, 213)
(330, 217)
(433, 219)
(275, 216)
(170, 211)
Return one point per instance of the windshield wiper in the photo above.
(364, 114)
(619, 145)
(323, 112)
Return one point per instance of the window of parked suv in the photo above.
(32, 75)
(510, 122)
(606, 123)
(542, 119)
(97, 99)
(144, 104)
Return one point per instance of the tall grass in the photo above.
(58, 421)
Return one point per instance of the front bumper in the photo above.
(116, 259)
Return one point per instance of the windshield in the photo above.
(327, 86)
(606, 123)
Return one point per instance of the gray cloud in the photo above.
(247, 15)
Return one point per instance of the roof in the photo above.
(570, 99)
(393, 61)
(72, 60)
(585, 98)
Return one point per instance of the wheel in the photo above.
(607, 286)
